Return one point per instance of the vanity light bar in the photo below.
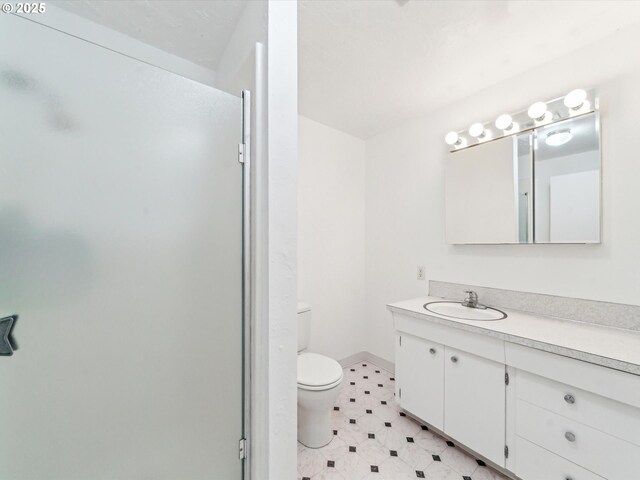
(575, 103)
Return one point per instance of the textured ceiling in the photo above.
(195, 30)
(366, 66)
(369, 65)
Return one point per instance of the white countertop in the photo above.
(610, 347)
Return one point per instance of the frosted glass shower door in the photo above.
(121, 253)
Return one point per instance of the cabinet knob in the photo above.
(432, 351)
(568, 478)
(570, 436)
(454, 359)
(570, 399)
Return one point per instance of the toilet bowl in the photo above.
(319, 383)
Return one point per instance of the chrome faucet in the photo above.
(472, 300)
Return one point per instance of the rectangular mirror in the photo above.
(567, 181)
(487, 192)
(540, 186)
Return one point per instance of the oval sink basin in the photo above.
(457, 310)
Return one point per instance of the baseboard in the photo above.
(370, 358)
(351, 359)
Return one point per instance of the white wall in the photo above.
(236, 68)
(405, 197)
(282, 185)
(331, 228)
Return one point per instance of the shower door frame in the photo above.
(244, 156)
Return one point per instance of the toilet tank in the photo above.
(304, 325)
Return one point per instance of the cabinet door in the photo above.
(475, 403)
(420, 378)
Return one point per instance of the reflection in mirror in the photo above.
(567, 181)
(487, 192)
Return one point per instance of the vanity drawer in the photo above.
(620, 386)
(594, 450)
(615, 418)
(536, 463)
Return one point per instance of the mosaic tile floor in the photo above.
(374, 439)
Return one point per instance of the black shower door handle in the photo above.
(7, 343)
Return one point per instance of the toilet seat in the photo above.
(317, 372)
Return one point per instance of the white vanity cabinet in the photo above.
(454, 381)
(536, 463)
(567, 413)
(539, 415)
(420, 364)
(474, 395)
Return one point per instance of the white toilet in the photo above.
(319, 382)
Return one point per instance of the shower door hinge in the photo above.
(242, 448)
(241, 152)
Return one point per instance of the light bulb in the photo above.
(575, 99)
(504, 122)
(477, 130)
(538, 111)
(452, 138)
